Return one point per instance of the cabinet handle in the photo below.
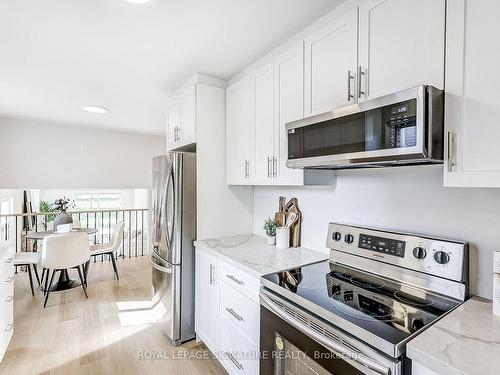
(349, 77)
(9, 299)
(451, 140)
(212, 279)
(175, 134)
(9, 279)
(9, 327)
(237, 281)
(9, 260)
(247, 169)
(234, 314)
(235, 362)
(275, 166)
(268, 167)
(360, 73)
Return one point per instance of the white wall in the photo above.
(409, 199)
(39, 155)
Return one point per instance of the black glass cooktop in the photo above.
(378, 305)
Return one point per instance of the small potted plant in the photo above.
(62, 206)
(270, 228)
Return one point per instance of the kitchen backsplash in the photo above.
(409, 199)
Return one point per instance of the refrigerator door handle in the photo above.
(154, 263)
(168, 209)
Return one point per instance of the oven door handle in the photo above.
(335, 347)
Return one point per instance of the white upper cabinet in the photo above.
(330, 65)
(187, 115)
(401, 45)
(181, 118)
(173, 125)
(472, 108)
(239, 137)
(288, 107)
(183, 110)
(263, 121)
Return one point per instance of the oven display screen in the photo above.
(382, 245)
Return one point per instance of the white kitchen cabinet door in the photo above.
(472, 108)
(288, 107)
(206, 307)
(173, 125)
(239, 140)
(330, 64)
(401, 45)
(263, 122)
(187, 109)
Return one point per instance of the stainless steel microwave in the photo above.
(403, 128)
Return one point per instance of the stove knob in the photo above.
(441, 257)
(337, 236)
(419, 253)
(349, 238)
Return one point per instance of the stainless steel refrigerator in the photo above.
(173, 230)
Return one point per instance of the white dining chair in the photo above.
(61, 252)
(108, 248)
(30, 260)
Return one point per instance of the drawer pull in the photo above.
(235, 362)
(237, 281)
(9, 327)
(9, 260)
(9, 299)
(236, 315)
(9, 279)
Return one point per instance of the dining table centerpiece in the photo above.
(62, 205)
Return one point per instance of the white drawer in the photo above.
(6, 326)
(6, 252)
(240, 280)
(6, 282)
(238, 355)
(242, 312)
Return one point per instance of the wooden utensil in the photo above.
(280, 216)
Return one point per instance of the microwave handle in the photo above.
(326, 342)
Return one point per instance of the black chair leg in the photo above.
(82, 281)
(113, 260)
(48, 288)
(36, 274)
(31, 279)
(87, 265)
(43, 274)
(45, 270)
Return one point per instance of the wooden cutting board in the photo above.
(293, 206)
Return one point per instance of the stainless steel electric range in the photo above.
(354, 313)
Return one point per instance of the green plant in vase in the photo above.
(47, 207)
(270, 229)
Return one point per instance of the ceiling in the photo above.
(57, 56)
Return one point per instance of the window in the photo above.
(85, 201)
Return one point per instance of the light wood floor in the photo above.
(110, 333)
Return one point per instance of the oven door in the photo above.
(294, 342)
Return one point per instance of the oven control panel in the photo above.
(444, 258)
(382, 245)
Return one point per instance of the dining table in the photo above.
(65, 281)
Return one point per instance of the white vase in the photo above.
(271, 240)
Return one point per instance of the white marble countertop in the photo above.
(252, 254)
(467, 341)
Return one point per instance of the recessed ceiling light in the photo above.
(138, 1)
(96, 109)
